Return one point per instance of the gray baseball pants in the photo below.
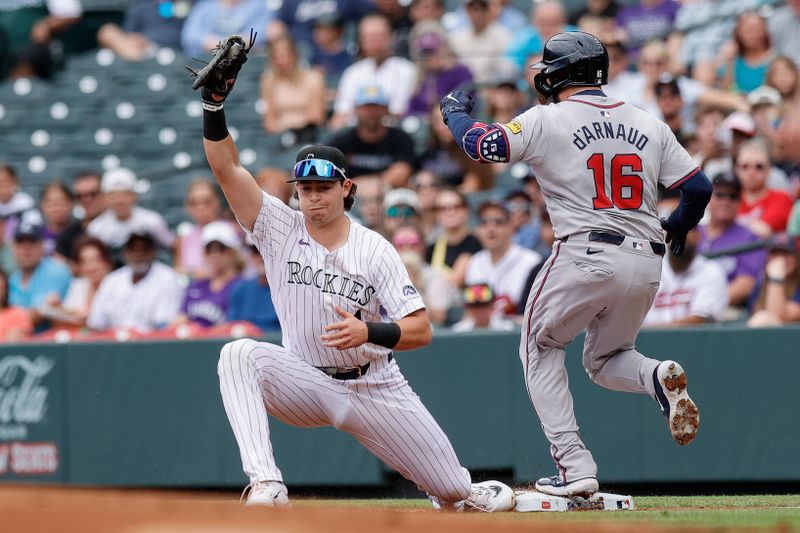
(608, 292)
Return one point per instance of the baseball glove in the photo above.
(218, 75)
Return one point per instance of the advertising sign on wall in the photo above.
(30, 417)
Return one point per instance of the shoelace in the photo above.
(252, 487)
(247, 490)
(480, 496)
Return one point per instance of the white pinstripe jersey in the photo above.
(365, 276)
(599, 162)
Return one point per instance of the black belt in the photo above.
(350, 372)
(616, 240)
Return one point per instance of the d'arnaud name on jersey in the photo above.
(607, 130)
(330, 283)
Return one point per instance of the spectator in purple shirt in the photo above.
(646, 20)
(438, 71)
(206, 300)
(722, 231)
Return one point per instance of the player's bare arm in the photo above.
(217, 79)
(414, 330)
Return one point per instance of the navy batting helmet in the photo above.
(571, 59)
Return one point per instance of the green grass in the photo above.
(758, 511)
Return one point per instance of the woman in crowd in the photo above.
(94, 262)
(746, 58)
(777, 298)
(438, 71)
(205, 302)
(783, 76)
(426, 185)
(56, 207)
(456, 244)
(436, 291)
(15, 323)
(294, 94)
(203, 206)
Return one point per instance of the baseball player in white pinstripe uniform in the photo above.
(599, 162)
(345, 303)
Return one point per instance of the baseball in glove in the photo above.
(218, 75)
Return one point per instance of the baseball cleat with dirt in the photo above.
(681, 412)
(555, 486)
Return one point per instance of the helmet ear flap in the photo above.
(542, 85)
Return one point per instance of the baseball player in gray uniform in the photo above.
(345, 304)
(599, 162)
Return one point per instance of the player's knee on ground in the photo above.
(234, 355)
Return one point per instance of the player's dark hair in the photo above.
(351, 196)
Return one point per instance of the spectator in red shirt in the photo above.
(764, 211)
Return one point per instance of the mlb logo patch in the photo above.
(605, 113)
(638, 245)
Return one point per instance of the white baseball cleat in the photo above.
(267, 493)
(682, 414)
(491, 497)
(555, 486)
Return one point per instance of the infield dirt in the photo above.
(29, 509)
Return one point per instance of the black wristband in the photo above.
(214, 126)
(386, 334)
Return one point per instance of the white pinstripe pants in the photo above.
(380, 410)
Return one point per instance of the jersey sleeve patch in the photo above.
(486, 143)
(514, 127)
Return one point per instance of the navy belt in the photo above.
(349, 372)
(616, 240)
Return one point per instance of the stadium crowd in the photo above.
(85, 259)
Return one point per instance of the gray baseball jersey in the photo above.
(598, 162)
(365, 277)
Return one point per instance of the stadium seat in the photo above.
(23, 91)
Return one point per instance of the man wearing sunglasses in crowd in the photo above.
(502, 264)
(86, 186)
(346, 304)
(722, 231)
